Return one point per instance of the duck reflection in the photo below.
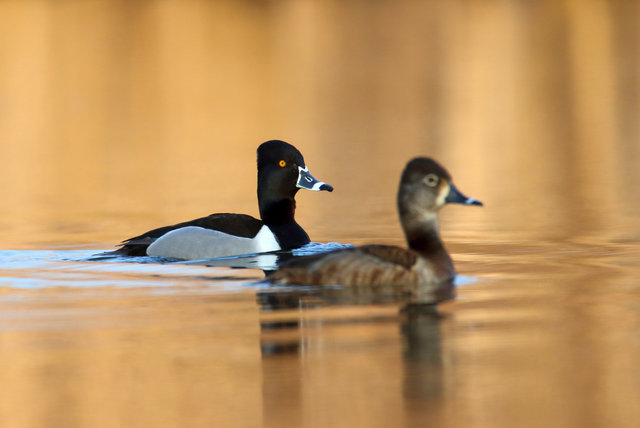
(422, 354)
(279, 342)
(294, 329)
(408, 297)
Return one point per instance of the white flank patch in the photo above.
(194, 243)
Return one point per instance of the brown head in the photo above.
(425, 187)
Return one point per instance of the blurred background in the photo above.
(120, 116)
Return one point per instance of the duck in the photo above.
(425, 187)
(282, 171)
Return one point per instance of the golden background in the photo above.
(120, 116)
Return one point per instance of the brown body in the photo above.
(369, 265)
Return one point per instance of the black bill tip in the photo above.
(456, 197)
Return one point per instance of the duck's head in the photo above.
(281, 168)
(425, 187)
(281, 172)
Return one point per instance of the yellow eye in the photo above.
(431, 180)
(282, 163)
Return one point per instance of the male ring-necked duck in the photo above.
(281, 172)
(425, 187)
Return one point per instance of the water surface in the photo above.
(112, 343)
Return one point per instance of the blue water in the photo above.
(98, 270)
(36, 269)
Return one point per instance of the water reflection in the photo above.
(422, 357)
(299, 297)
(291, 344)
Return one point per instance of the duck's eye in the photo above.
(431, 180)
(282, 163)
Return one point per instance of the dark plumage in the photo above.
(281, 173)
(424, 188)
(236, 224)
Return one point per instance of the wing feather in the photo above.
(241, 225)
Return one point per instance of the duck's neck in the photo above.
(276, 200)
(278, 215)
(277, 211)
(422, 235)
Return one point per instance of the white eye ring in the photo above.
(431, 180)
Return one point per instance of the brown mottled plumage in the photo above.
(370, 265)
(424, 188)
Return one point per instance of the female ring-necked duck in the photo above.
(425, 187)
(281, 172)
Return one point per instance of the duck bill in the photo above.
(307, 181)
(456, 197)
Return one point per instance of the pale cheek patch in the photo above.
(442, 194)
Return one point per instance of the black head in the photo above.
(426, 186)
(281, 172)
(272, 152)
